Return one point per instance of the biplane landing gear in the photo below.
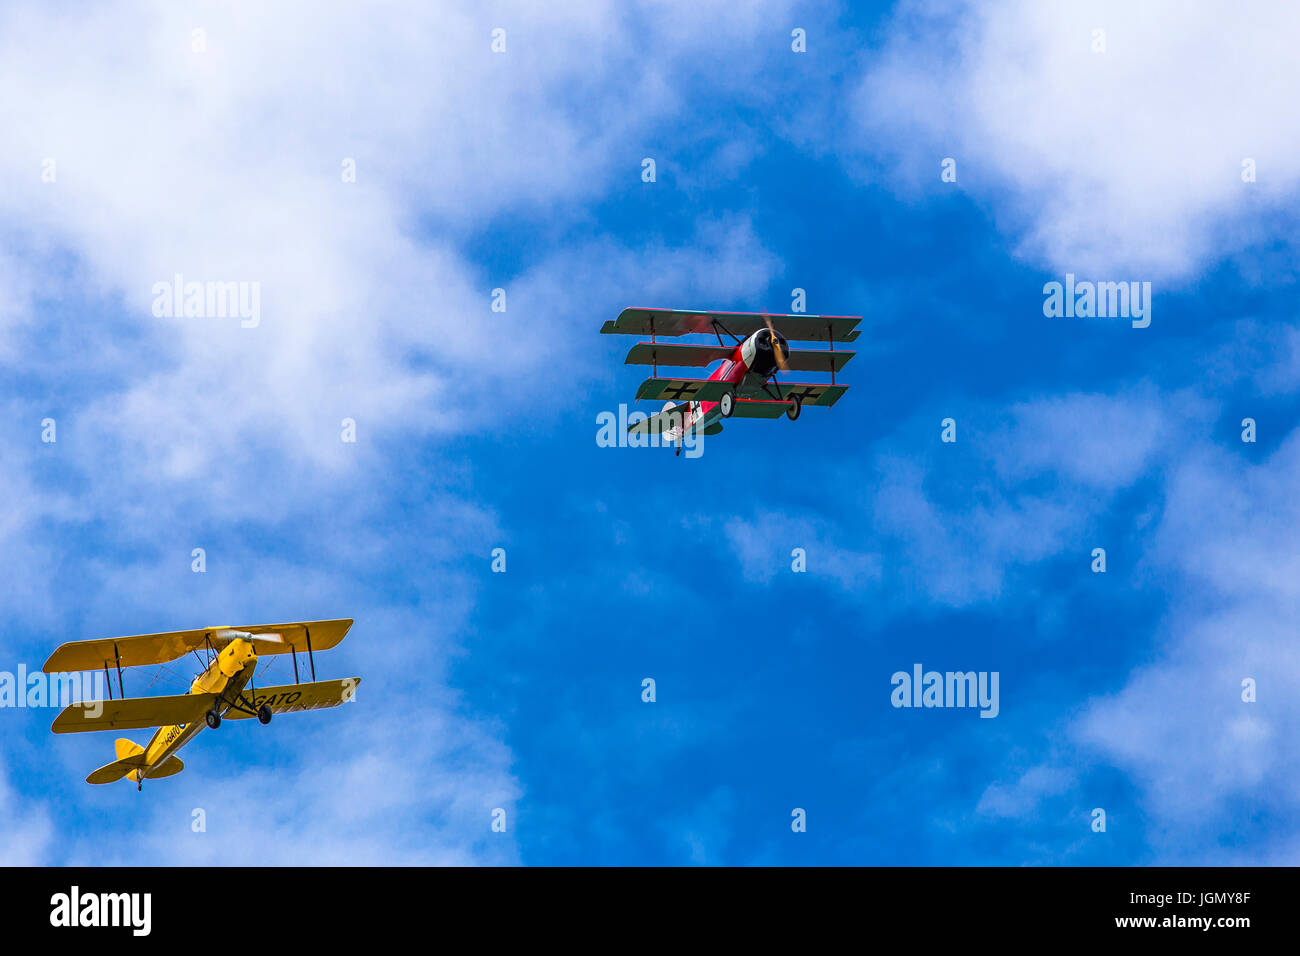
(213, 719)
(139, 786)
(264, 714)
(726, 404)
(793, 409)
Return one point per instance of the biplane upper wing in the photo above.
(132, 713)
(698, 356)
(682, 389)
(145, 649)
(808, 394)
(294, 697)
(673, 322)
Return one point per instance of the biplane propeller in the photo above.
(746, 383)
(224, 688)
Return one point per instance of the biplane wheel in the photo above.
(213, 719)
(795, 406)
(264, 714)
(726, 404)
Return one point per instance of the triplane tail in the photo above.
(129, 764)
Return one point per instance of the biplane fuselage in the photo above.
(223, 689)
(227, 676)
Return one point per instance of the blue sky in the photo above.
(218, 155)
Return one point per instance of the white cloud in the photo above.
(1179, 724)
(1122, 164)
(225, 165)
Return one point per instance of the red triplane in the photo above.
(744, 385)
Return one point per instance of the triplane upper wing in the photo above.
(674, 322)
(145, 649)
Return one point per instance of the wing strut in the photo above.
(294, 651)
(118, 657)
(830, 338)
(310, 657)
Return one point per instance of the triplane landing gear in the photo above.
(796, 405)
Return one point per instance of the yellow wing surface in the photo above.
(133, 713)
(145, 649)
(294, 697)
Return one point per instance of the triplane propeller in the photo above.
(745, 384)
(224, 688)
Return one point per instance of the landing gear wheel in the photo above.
(794, 408)
(139, 786)
(264, 714)
(726, 404)
(213, 719)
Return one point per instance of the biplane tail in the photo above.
(130, 762)
(126, 748)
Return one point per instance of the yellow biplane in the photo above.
(224, 688)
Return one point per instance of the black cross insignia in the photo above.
(678, 392)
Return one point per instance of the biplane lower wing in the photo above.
(682, 389)
(145, 649)
(700, 356)
(807, 394)
(132, 713)
(674, 322)
(291, 698)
